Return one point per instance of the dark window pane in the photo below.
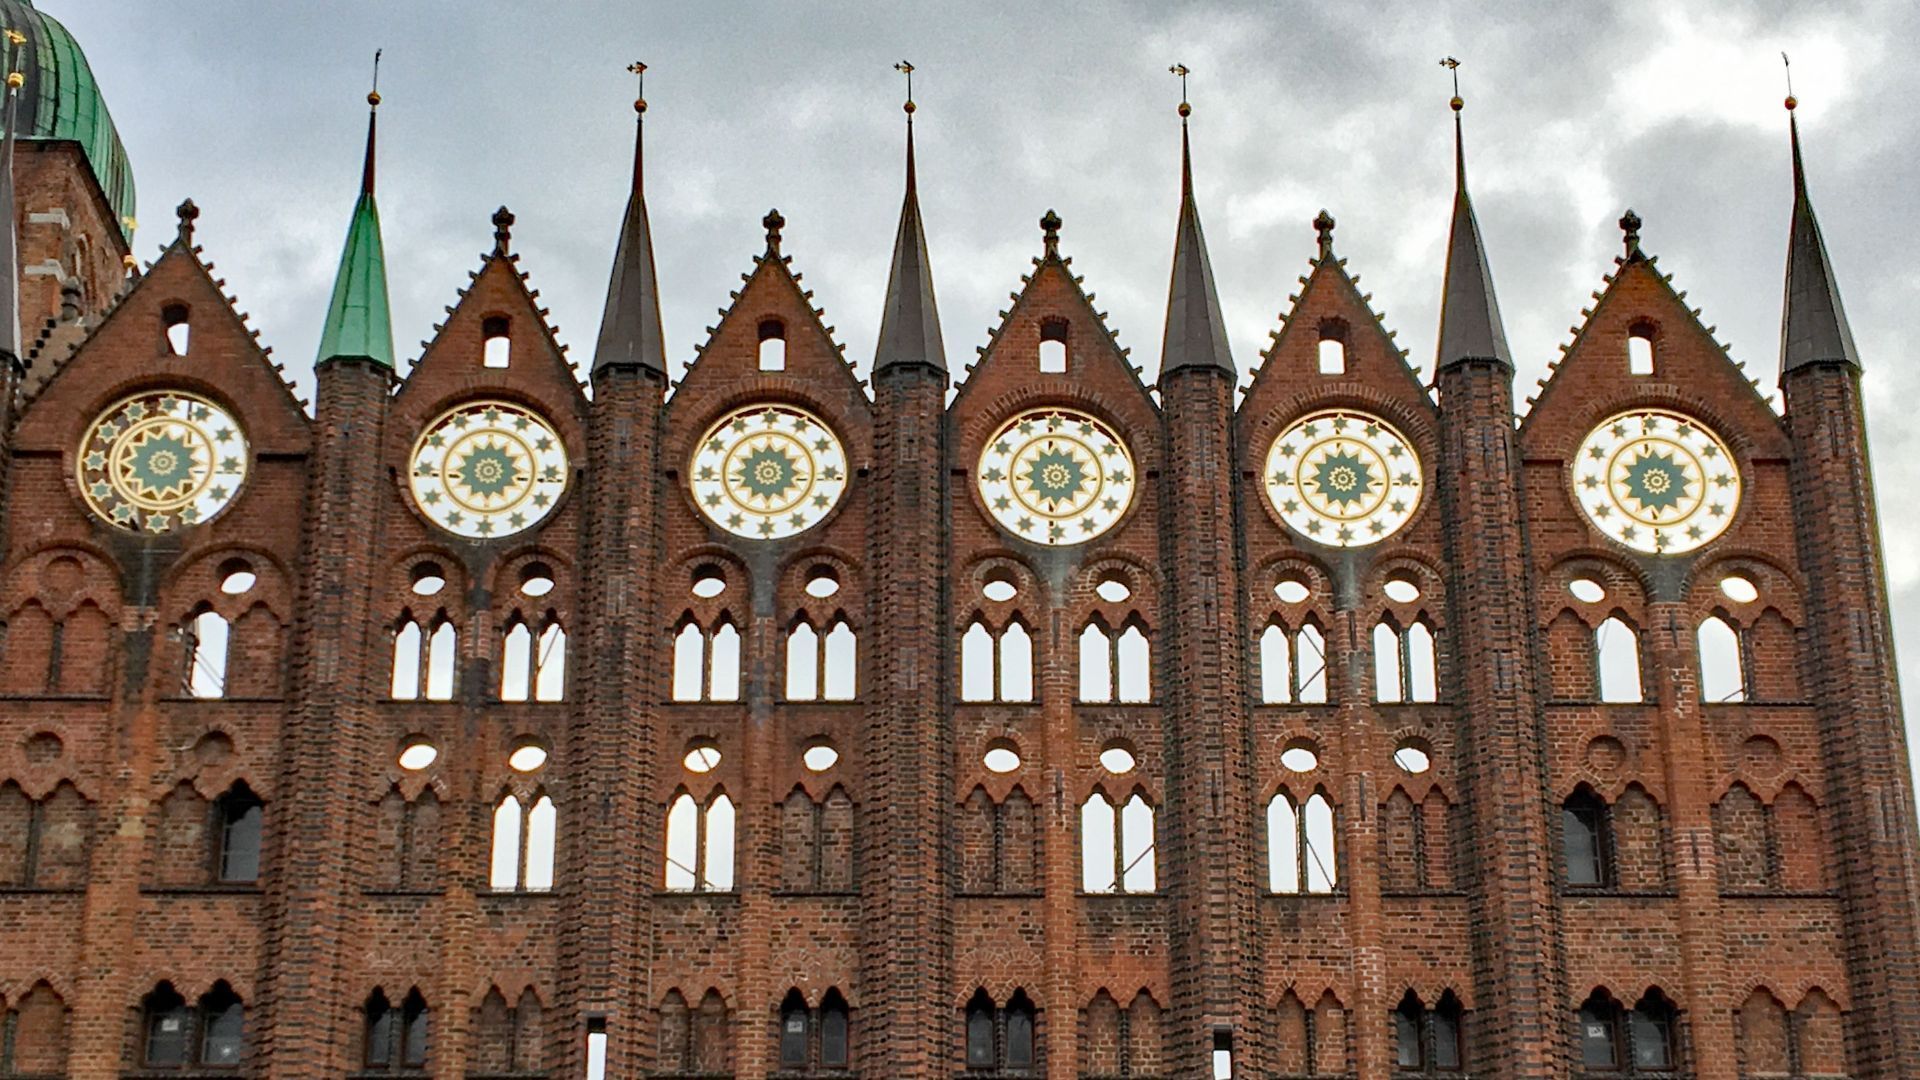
(1019, 1039)
(1580, 826)
(979, 1038)
(1446, 1040)
(1598, 1040)
(240, 842)
(1651, 1049)
(833, 1037)
(380, 1036)
(1406, 1036)
(167, 1031)
(793, 1039)
(224, 1041)
(414, 1054)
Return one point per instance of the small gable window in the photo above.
(497, 346)
(1333, 347)
(773, 345)
(1640, 349)
(1053, 347)
(173, 318)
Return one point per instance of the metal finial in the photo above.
(774, 223)
(373, 95)
(15, 78)
(1323, 224)
(502, 230)
(1792, 102)
(905, 68)
(1630, 225)
(1050, 233)
(1183, 71)
(1453, 66)
(640, 95)
(187, 212)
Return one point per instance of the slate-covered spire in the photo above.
(1196, 332)
(359, 323)
(9, 236)
(630, 332)
(1814, 328)
(910, 320)
(1470, 327)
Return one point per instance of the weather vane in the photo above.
(373, 95)
(1183, 71)
(15, 39)
(1453, 66)
(1788, 64)
(906, 69)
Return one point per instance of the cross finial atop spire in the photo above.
(1050, 233)
(502, 230)
(186, 212)
(1323, 224)
(1630, 226)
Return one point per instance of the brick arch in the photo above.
(686, 419)
(976, 421)
(1144, 581)
(1626, 586)
(1732, 425)
(1413, 415)
(101, 587)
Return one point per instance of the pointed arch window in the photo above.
(1115, 666)
(1403, 662)
(1427, 1041)
(706, 665)
(1723, 676)
(175, 1035)
(524, 836)
(1586, 839)
(996, 667)
(700, 844)
(1116, 845)
(1293, 664)
(822, 665)
(396, 1037)
(813, 1038)
(424, 661)
(1616, 649)
(534, 666)
(1627, 1042)
(241, 816)
(206, 636)
(1000, 1038)
(44, 842)
(1300, 845)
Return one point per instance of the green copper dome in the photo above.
(62, 102)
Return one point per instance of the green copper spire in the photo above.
(359, 323)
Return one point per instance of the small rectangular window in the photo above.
(497, 352)
(1639, 354)
(596, 1050)
(1333, 356)
(1222, 1055)
(773, 346)
(1053, 347)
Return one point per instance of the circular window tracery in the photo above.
(488, 469)
(162, 460)
(1056, 476)
(767, 472)
(1659, 482)
(1343, 478)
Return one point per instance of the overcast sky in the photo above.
(1574, 112)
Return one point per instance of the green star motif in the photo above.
(1656, 481)
(487, 471)
(1343, 478)
(163, 464)
(1055, 475)
(767, 473)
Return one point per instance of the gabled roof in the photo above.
(1813, 327)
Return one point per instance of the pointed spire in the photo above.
(1813, 328)
(1470, 326)
(9, 236)
(1196, 334)
(359, 323)
(910, 320)
(630, 330)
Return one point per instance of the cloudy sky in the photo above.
(1574, 113)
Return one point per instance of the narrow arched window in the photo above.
(1276, 669)
(1283, 845)
(834, 1024)
(1016, 664)
(803, 663)
(496, 349)
(406, 661)
(1096, 664)
(1332, 353)
(723, 665)
(1019, 1028)
(1722, 674)
(241, 816)
(223, 1027)
(700, 844)
(689, 663)
(1599, 1024)
(980, 1025)
(1137, 846)
(1586, 839)
(1310, 666)
(516, 662)
(716, 851)
(1617, 652)
(206, 641)
(978, 679)
(1053, 346)
(1640, 350)
(1319, 865)
(442, 655)
(841, 663)
(683, 843)
(1423, 677)
(773, 345)
(504, 867)
(1133, 663)
(175, 321)
(168, 1029)
(1387, 669)
(1650, 1032)
(795, 1023)
(550, 665)
(542, 825)
(1099, 845)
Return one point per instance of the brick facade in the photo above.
(1759, 879)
